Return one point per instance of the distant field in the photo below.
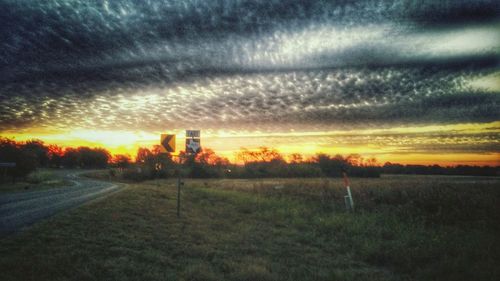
(404, 228)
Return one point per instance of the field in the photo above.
(41, 179)
(404, 228)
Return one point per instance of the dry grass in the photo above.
(271, 229)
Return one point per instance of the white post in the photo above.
(350, 198)
(349, 195)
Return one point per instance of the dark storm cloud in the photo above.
(306, 100)
(83, 37)
(255, 64)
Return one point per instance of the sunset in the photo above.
(320, 78)
(450, 144)
(301, 109)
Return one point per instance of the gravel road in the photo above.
(22, 209)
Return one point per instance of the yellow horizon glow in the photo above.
(228, 143)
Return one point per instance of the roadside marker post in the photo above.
(167, 145)
(349, 202)
(179, 183)
(193, 147)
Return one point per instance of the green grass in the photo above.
(38, 180)
(273, 229)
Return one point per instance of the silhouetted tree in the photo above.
(154, 163)
(39, 150)
(55, 156)
(143, 155)
(208, 157)
(70, 158)
(121, 161)
(295, 158)
(353, 159)
(331, 166)
(206, 164)
(264, 162)
(93, 158)
(12, 152)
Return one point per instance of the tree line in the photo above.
(33, 154)
(259, 163)
(267, 162)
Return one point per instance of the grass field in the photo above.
(39, 180)
(404, 228)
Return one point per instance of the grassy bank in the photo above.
(407, 228)
(40, 179)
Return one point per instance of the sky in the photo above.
(414, 82)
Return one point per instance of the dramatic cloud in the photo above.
(247, 65)
(313, 99)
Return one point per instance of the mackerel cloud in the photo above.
(253, 65)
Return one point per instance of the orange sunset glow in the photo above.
(437, 144)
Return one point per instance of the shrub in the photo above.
(137, 174)
(39, 177)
